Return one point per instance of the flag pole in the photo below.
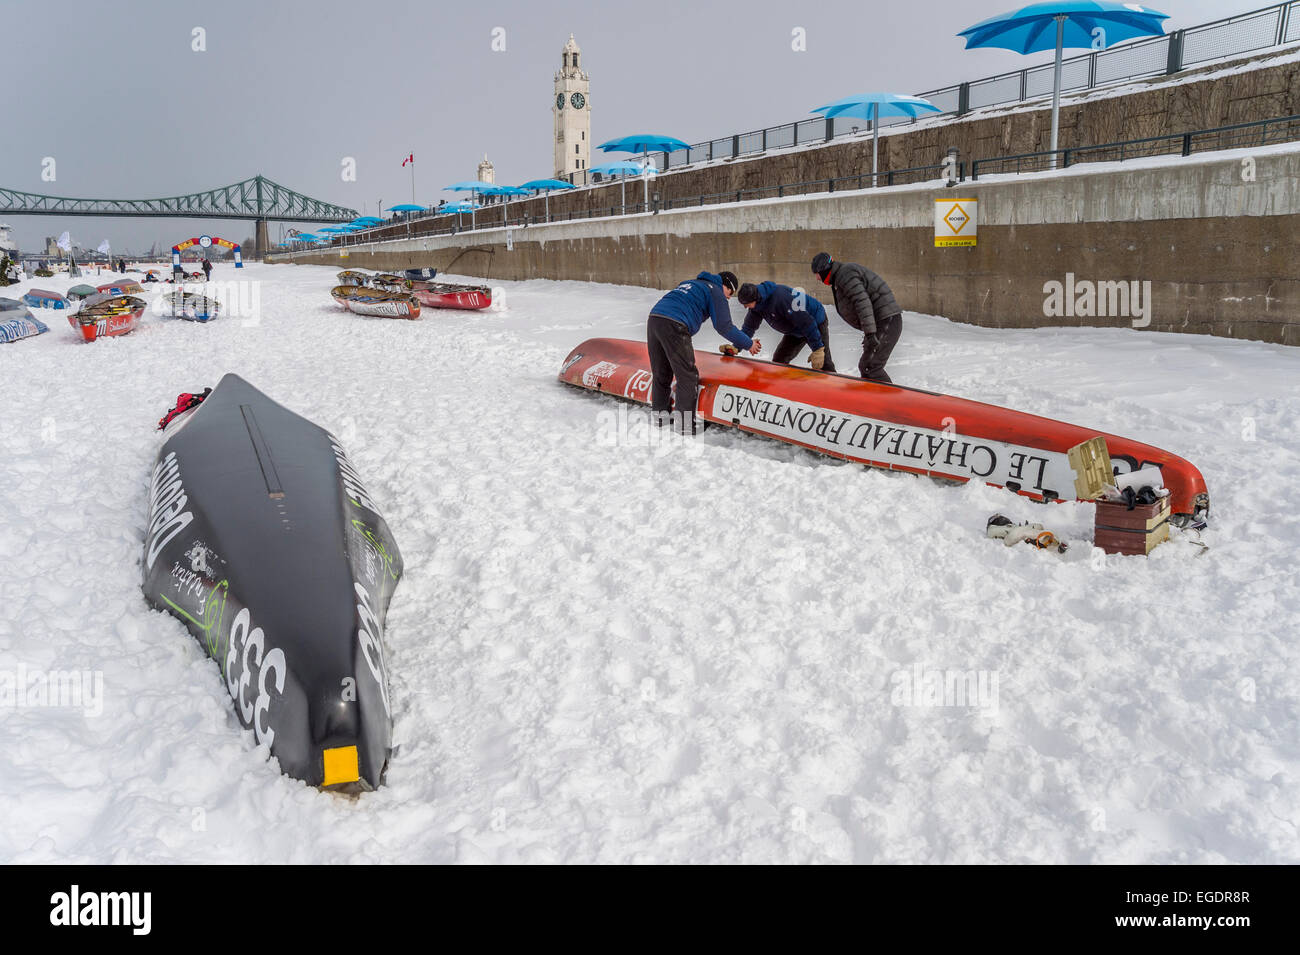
(412, 178)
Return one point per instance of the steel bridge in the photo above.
(255, 198)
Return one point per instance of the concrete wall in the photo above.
(1221, 251)
(1247, 90)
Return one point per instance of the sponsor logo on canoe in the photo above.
(890, 444)
(598, 373)
(370, 636)
(167, 507)
(638, 385)
(352, 486)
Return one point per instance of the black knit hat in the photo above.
(748, 293)
(821, 263)
(729, 280)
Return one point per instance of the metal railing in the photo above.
(1268, 132)
(1244, 33)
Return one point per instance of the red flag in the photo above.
(410, 158)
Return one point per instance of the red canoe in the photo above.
(102, 316)
(885, 426)
(436, 295)
(121, 287)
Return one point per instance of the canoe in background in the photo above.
(106, 315)
(439, 295)
(353, 277)
(121, 287)
(40, 298)
(376, 302)
(17, 321)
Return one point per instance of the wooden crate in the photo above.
(1121, 531)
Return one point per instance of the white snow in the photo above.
(607, 651)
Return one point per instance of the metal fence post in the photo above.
(764, 139)
(1175, 61)
(1092, 70)
(830, 129)
(735, 145)
(963, 99)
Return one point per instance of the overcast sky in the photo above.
(116, 95)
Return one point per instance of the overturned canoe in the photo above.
(191, 306)
(420, 275)
(264, 542)
(105, 315)
(374, 301)
(78, 292)
(391, 283)
(40, 298)
(885, 426)
(353, 277)
(442, 295)
(16, 322)
(122, 287)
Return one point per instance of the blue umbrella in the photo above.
(547, 186)
(472, 186)
(872, 106)
(626, 168)
(406, 207)
(366, 221)
(643, 143)
(1028, 30)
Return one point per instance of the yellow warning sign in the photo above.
(956, 222)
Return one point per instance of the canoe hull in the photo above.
(263, 541)
(375, 302)
(101, 317)
(886, 426)
(470, 297)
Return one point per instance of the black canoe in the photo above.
(263, 540)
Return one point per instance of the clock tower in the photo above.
(572, 109)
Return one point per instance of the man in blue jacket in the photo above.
(799, 317)
(674, 319)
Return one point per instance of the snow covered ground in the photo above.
(608, 651)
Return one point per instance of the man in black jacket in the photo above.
(864, 301)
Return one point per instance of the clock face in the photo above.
(559, 101)
(578, 100)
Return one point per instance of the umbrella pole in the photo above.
(1056, 86)
(875, 141)
(645, 180)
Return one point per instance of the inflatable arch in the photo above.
(205, 242)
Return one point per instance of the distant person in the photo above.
(207, 270)
(864, 301)
(673, 321)
(799, 317)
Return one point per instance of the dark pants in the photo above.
(672, 355)
(872, 364)
(790, 345)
